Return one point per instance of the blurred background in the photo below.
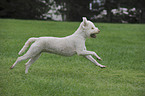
(117, 11)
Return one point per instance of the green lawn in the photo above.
(121, 46)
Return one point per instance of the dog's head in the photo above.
(89, 28)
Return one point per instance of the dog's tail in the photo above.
(30, 40)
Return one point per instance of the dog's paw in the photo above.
(102, 66)
(99, 59)
(11, 67)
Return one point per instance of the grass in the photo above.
(121, 46)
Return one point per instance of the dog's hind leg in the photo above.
(32, 52)
(89, 57)
(31, 61)
(24, 57)
(19, 59)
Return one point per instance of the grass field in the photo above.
(121, 46)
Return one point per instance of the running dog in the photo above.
(66, 46)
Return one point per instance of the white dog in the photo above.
(66, 46)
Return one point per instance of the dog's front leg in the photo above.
(89, 57)
(85, 52)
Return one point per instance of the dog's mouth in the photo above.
(93, 35)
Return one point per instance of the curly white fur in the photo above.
(66, 46)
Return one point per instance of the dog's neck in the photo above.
(80, 32)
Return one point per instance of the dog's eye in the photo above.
(92, 27)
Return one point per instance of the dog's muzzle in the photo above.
(93, 35)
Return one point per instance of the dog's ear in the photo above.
(84, 21)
